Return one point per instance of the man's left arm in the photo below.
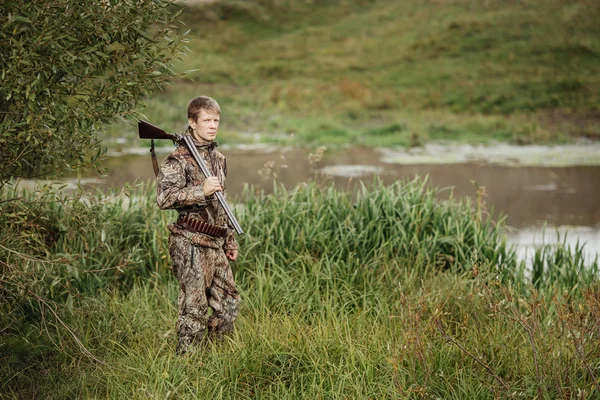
(230, 246)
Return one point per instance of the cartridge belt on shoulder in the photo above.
(195, 225)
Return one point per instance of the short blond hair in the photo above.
(202, 103)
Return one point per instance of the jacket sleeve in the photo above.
(230, 241)
(172, 191)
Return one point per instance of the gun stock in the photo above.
(148, 131)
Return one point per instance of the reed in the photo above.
(384, 293)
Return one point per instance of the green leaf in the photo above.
(79, 76)
(22, 19)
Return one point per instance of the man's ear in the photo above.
(192, 123)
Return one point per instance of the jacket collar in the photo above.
(208, 145)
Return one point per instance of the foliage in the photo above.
(385, 293)
(410, 341)
(59, 246)
(551, 264)
(405, 220)
(333, 305)
(68, 67)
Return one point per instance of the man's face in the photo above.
(206, 126)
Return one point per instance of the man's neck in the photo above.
(201, 141)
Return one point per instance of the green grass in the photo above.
(385, 293)
(471, 71)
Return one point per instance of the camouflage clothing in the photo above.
(199, 260)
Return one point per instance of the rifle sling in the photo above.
(154, 160)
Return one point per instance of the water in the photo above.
(530, 196)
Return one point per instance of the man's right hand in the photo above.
(211, 185)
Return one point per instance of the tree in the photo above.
(67, 68)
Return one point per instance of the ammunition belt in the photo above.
(195, 225)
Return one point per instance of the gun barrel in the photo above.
(188, 141)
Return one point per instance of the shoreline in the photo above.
(559, 155)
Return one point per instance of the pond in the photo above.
(534, 187)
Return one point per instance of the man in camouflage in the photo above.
(200, 259)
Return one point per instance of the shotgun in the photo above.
(149, 131)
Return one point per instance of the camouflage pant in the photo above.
(205, 281)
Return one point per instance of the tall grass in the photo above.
(562, 263)
(385, 293)
(402, 221)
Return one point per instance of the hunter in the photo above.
(201, 240)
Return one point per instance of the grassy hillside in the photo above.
(393, 72)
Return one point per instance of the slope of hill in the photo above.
(395, 72)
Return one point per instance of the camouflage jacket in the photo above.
(180, 186)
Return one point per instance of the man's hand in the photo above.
(231, 254)
(211, 185)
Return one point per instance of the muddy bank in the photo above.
(581, 154)
(499, 154)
